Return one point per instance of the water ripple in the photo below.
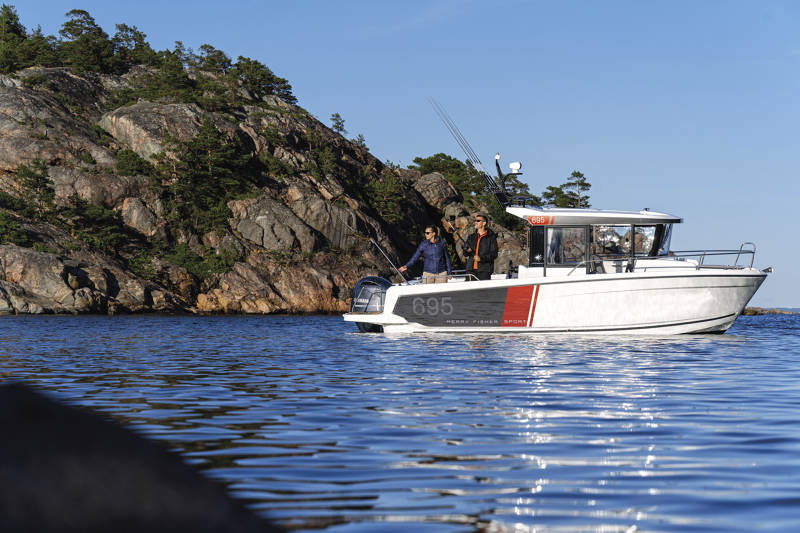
(319, 427)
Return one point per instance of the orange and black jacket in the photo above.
(487, 251)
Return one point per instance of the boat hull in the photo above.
(693, 301)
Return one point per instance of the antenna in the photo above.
(491, 185)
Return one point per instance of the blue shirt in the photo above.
(435, 257)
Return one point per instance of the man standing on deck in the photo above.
(481, 249)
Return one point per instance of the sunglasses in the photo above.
(428, 233)
(479, 220)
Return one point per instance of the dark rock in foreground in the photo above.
(66, 469)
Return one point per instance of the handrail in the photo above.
(582, 263)
(455, 273)
(703, 254)
(752, 253)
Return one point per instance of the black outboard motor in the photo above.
(368, 296)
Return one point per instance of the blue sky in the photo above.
(687, 107)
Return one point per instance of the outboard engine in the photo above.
(368, 296)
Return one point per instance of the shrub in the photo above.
(9, 231)
(202, 267)
(129, 163)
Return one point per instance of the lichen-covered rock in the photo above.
(299, 243)
(141, 126)
(136, 215)
(263, 285)
(14, 300)
(39, 282)
(104, 189)
(34, 125)
(436, 190)
(272, 225)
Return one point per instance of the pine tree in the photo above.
(37, 190)
(202, 173)
(10, 26)
(12, 35)
(385, 196)
(86, 46)
(131, 47)
(39, 50)
(261, 81)
(570, 193)
(575, 187)
(337, 124)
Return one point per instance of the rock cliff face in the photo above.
(296, 244)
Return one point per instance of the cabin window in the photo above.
(565, 246)
(536, 246)
(610, 241)
(664, 239)
(644, 239)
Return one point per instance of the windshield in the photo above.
(645, 237)
(615, 240)
(610, 241)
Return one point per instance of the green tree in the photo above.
(360, 141)
(385, 196)
(85, 45)
(12, 35)
(575, 187)
(96, 225)
(10, 26)
(37, 190)
(465, 178)
(131, 47)
(337, 124)
(38, 49)
(171, 81)
(554, 196)
(202, 174)
(217, 90)
(261, 81)
(570, 193)
(129, 163)
(213, 60)
(10, 232)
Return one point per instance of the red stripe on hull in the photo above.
(518, 304)
(533, 306)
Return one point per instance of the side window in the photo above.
(644, 238)
(565, 246)
(536, 246)
(610, 241)
(666, 237)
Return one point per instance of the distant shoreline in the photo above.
(754, 311)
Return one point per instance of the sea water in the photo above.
(318, 427)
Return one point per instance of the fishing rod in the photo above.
(375, 243)
(492, 187)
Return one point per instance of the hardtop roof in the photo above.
(548, 216)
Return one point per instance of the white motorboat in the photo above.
(588, 271)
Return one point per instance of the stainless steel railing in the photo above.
(702, 255)
(745, 249)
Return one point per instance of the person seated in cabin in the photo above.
(436, 262)
(481, 249)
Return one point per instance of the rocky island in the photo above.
(173, 181)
